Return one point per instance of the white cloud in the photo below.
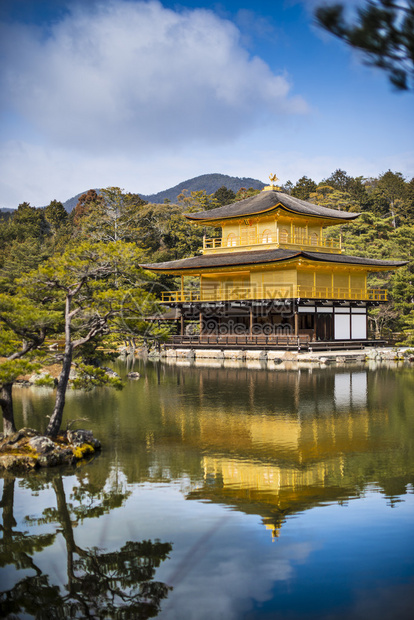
(136, 76)
(39, 174)
(232, 587)
(142, 97)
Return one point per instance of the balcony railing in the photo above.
(287, 291)
(277, 238)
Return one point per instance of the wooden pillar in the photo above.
(182, 323)
(201, 323)
(182, 288)
(251, 321)
(296, 321)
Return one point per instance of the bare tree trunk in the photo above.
(6, 403)
(56, 418)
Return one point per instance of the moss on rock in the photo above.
(28, 449)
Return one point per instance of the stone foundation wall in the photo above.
(324, 357)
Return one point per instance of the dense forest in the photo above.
(75, 278)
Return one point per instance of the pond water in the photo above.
(221, 493)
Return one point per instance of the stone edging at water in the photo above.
(321, 357)
(28, 449)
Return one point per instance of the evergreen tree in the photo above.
(192, 202)
(27, 222)
(111, 216)
(96, 287)
(24, 326)
(56, 215)
(392, 187)
(224, 196)
(358, 191)
(338, 180)
(383, 31)
(328, 196)
(287, 187)
(407, 208)
(303, 188)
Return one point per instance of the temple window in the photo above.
(267, 236)
(300, 234)
(314, 238)
(283, 236)
(248, 235)
(231, 239)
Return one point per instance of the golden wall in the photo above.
(322, 278)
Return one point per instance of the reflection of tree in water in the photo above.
(18, 547)
(100, 584)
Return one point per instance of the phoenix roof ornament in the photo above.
(273, 178)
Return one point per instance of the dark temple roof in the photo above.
(268, 200)
(233, 259)
(353, 260)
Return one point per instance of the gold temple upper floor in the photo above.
(271, 239)
(288, 291)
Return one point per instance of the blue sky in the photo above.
(144, 95)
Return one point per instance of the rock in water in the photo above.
(42, 444)
(81, 436)
(27, 449)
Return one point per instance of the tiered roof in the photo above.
(261, 257)
(266, 201)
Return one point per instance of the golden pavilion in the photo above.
(273, 275)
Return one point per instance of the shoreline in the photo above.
(276, 358)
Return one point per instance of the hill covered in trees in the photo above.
(209, 183)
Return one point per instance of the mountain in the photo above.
(5, 214)
(208, 182)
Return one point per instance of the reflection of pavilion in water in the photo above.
(289, 458)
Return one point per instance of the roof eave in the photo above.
(336, 219)
(297, 255)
